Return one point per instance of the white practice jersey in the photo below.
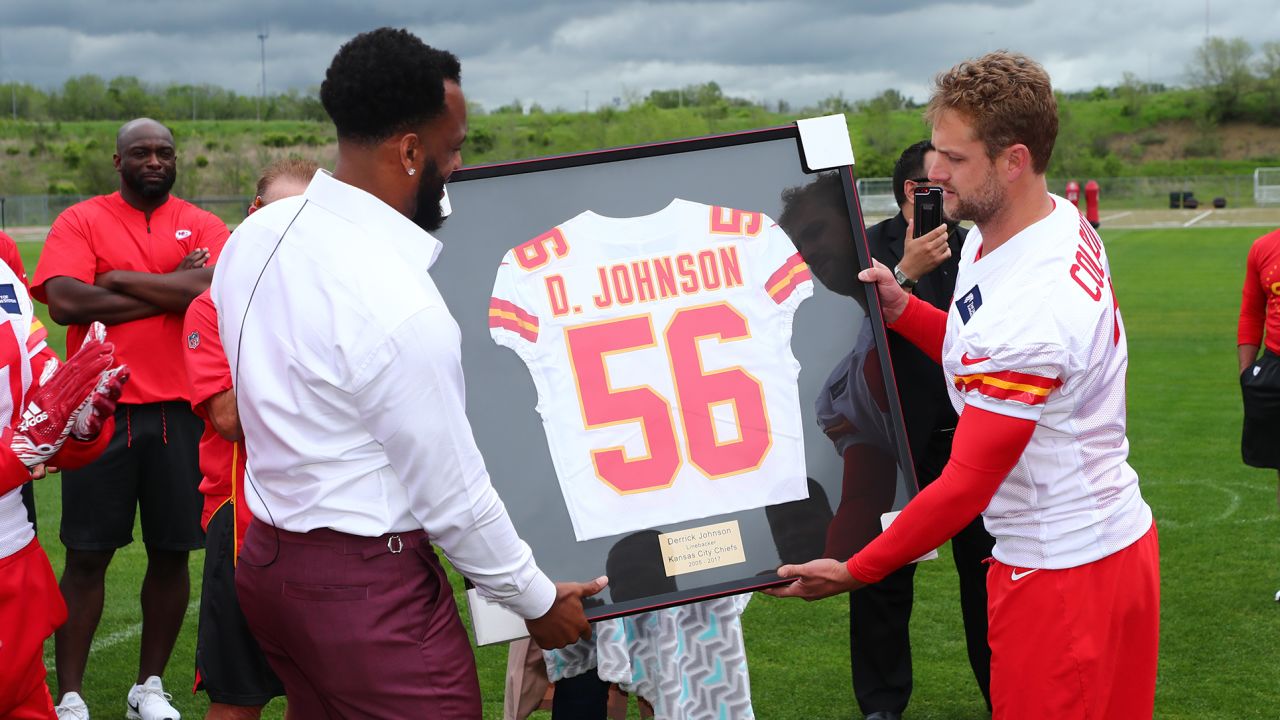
(18, 344)
(1034, 332)
(661, 351)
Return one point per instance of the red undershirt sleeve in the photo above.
(987, 446)
(924, 325)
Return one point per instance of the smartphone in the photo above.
(928, 201)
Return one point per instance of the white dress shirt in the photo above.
(347, 370)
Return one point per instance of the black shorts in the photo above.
(1260, 386)
(152, 462)
(230, 666)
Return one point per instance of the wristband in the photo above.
(904, 282)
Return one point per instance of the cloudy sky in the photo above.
(572, 52)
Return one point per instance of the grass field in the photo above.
(1179, 292)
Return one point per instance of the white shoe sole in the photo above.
(131, 714)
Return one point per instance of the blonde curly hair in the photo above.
(1008, 99)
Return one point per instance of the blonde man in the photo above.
(1034, 353)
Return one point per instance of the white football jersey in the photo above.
(22, 337)
(1034, 332)
(660, 347)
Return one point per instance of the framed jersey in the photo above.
(669, 375)
(660, 347)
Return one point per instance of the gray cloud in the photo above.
(558, 52)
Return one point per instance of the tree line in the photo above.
(1238, 82)
(60, 142)
(90, 97)
(1242, 82)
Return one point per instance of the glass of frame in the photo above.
(662, 538)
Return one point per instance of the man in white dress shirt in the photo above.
(346, 364)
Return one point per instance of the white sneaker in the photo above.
(149, 701)
(72, 707)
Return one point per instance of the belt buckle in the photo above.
(395, 544)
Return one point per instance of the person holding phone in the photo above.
(924, 264)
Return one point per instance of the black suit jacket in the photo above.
(921, 386)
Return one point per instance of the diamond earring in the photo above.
(412, 171)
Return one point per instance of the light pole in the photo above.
(13, 89)
(263, 34)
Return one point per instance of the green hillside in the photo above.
(1217, 519)
(1119, 132)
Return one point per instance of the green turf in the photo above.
(1220, 540)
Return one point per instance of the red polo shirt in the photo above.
(221, 462)
(1260, 302)
(106, 233)
(10, 256)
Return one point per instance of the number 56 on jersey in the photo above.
(660, 349)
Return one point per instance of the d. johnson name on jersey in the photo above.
(660, 347)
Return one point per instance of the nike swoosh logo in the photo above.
(1016, 576)
(966, 360)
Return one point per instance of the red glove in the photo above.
(51, 366)
(51, 410)
(100, 405)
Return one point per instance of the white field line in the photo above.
(1197, 218)
(109, 640)
(1117, 216)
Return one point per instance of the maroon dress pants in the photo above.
(357, 627)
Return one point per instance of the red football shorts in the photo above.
(31, 608)
(1079, 642)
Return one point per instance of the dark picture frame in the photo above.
(498, 206)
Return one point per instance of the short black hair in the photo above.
(910, 166)
(825, 189)
(386, 81)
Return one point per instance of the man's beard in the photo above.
(150, 189)
(429, 215)
(982, 204)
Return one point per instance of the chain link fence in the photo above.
(1115, 193)
(1134, 193)
(876, 194)
(40, 210)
